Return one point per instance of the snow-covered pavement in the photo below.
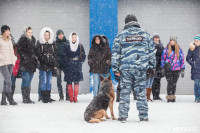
(64, 117)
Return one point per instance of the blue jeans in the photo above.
(197, 89)
(26, 78)
(44, 81)
(149, 82)
(97, 82)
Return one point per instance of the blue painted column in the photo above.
(103, 21)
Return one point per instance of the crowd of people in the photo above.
(138, 60)
(21, 59)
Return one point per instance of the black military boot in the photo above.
(144, 119)
(3, 100)
(122, 120)
(9, 96)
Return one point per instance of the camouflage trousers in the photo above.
(133, 79)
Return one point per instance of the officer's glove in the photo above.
(182, 73)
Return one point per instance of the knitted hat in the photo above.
(156, 35)
(4, 28)
(174, 38)
(59, 32)
(197, 37)
(130, 17)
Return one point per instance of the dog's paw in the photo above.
(107, 117)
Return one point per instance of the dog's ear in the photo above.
(101, 78)
(109, 78)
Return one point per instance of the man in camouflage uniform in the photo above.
(133, 53)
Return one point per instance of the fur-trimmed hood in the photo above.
(192, 46)
(42, 40)
(73, 47)
(101, 40)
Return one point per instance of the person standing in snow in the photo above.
(46, 53)
(7, 60)
(61, 42)
(74, 57)
(156, 83)
(133, 53)
(16, 71)
(193, 58)
(99, 59)
(28, 63)
(172, 65)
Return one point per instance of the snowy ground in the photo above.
(64, 117)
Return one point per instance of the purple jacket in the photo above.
(177, 64)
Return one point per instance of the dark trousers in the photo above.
(156, 88)
(59, 83)
(172, 78)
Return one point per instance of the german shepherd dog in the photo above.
(96, 110)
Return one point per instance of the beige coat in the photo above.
(7, 56)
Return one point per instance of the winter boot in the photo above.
(48, 96)
(122, 120)
(28, 95)
(148, 94)
(76, 89)
(144, 119)
(169, 98)
(157, 98)
(70, 92)
(9, 96)
(44, 97)
(118, 94)
(67, 95)
(24, 94)
(61, 97)
(3, 100)
(173, 98)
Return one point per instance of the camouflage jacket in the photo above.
(133, 48)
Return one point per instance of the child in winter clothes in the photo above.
(193, 58)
